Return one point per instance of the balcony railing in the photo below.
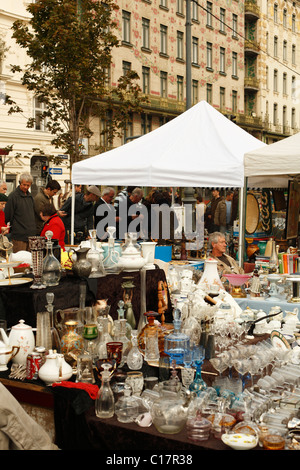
(251, 83)
(252, 9)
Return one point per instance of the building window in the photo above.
(222, 19)
(284, 116)
(180, 45)
(195, 11)
(293, 23)
(163, 39)
(146, 123)
(126, 26)
(179, 88)
(284, 52)
(222, 98)
(275, 17)
(209, 58)
(234, 101)
(145, 33)
(128, 130)
(267, 77)
(195, 91)
(234, 64)
(180, 7)
(284, 83)
(209, 9)
(146, 80)
(126, 67)
(275, 114)
(275, 81)
(209, 93)
(38, 110)
(293, 54)
(195, 51)
(234, 25)
(284, 18)
(163, 3)
(222, 59)
(275, 46)
(163, 84)
(293, 118)
(293, 88)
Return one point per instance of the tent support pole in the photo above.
(242, 218)
(188, 32)
(72, 214)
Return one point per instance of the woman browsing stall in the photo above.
(53, 222)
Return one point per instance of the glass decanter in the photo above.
(120, 335)
(198, 384)
(104, 337)
(95, 257)
(151, 324)
(127, 408)
(134, 357)
(112, 259)
(177, 342)
(55, 338)
(51, 266)
(105, 402)
(36, 247)
(190, 325)
(121, 316)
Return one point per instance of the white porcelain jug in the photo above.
(21, 335)
(55, 369)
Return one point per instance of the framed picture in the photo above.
(279, 200)
(293, 206)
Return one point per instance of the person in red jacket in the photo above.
(53, 222)
(4, 227)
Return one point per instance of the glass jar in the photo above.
(198, 428)
(127, 408)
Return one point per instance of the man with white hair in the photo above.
(19, 212)
(226, 264)
(3, 187)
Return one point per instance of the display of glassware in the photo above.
(51, 266)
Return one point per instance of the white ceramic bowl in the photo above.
(240, 441)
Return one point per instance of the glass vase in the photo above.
(36, 246)
(105, 402)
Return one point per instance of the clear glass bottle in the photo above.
(134, 357)
(120, 335)
(51, 266)
(105, 402)
(127, 408)
(177, 342)
(103, 337)
(95, 257)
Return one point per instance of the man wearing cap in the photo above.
(84, 214)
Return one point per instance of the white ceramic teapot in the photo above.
(55, 369)
(21, 335)
(7, 352)
(131, 259)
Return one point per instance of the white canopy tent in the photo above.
(199, 148)
(274, 164)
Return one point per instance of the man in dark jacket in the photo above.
(44, 196)
(19, 212)
(84, 214)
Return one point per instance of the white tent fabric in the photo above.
(199, 148)
(274, 164)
